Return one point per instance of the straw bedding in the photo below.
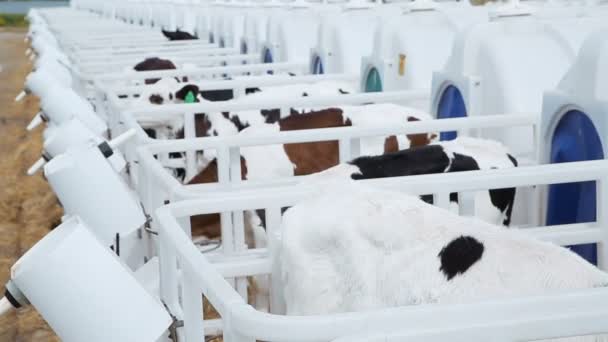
(28, 208)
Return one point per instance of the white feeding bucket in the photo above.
(83, 291)
(62, 104)
(86, 185)
(40, 82)
(69, 134)
(53, 64)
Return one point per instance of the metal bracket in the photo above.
(147, 227)
(217, 243)
(174, 326)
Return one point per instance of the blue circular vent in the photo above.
(451, 105)
(574, 139)
(373, 83)
(317, 66)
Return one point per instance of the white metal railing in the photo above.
(156, 186)
(96, 85)
(529, 318)
(237, 86)
(156, 182)
(158, 114)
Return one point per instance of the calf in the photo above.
(214, 95)
(354, 248)
(178, 35)
(462, 154)
(246, 118)
(279, 161)
(155, 63)
(163, 92)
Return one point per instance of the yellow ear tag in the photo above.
(401, 64)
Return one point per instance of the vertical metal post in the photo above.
(345, 153)
(273, 230)
(601, 208)
(189, 133)
(193, 307)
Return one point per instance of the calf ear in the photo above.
(391, 144)
(183, 92)
(512, 159)
(420, 139)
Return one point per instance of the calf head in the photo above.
(154, 63)
(188, 94)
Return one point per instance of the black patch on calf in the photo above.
(238, 123)
(180, 174)
(503, 200)
(274, 115)
(459, 255)
(513, 160)
(217, 95)
(252, 90)
(156, 99)
(150, 132)
(154, 63)
(429, 198)
(271, 115)
(463, 163)
(414, 161)
(178, 35)
(262, 215)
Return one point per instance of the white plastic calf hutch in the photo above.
(291, 34)
(504, 66)
(574, 128)
(231, 24)
(256, 25)
(409, 46)
(345, 38)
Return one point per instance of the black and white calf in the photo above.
(353, 248)
(462, 154)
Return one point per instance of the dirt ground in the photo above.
(28, 208)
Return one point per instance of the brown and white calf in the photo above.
(297, 159)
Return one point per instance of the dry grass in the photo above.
(28, 208)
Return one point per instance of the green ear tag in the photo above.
(189, 97)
